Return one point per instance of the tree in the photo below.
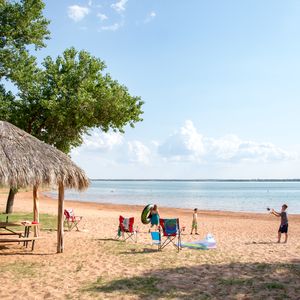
(66, 97)
(22, 24)
(62, 101)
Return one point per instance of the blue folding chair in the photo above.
(169, 233)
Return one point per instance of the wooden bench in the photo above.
(21, 240)
(19, 233)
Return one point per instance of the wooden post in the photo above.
(36, 216)
(60, 219)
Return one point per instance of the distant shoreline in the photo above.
(203, 180)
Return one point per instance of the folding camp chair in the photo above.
(125, 229)
(156, 239)
(71, 221)
(171, 233)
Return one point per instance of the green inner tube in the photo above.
(145, 214)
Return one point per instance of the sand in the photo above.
(247, 264)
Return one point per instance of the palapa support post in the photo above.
(36, 216)
(60, 220)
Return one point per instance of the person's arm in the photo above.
(275, 213)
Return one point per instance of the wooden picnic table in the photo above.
(9, 229)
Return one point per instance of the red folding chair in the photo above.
(126, 230)
(71, 221)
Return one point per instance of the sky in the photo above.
(220, 81)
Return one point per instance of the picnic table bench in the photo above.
(8, 229)
(19, 233)
(21, 240)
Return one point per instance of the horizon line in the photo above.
(203, 180)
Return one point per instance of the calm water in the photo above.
(211, 195)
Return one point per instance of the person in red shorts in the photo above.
(283, 228)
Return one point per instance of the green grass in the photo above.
(142, 286)
(235, 281)
(22, 269)
(47, 221)
(274, 285)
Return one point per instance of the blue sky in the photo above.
(220, 81)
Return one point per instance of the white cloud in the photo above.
(138, 152)
(188, 144)
(119, 6)
(185, 144)
(102, 17)
(184, 154)
(232, 149)
(150, 17)
(77, 13)
(113, 27)
(102, 141)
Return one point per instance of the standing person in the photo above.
(195, 222)
(283, 228)
(154, 216)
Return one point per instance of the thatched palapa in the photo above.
(27, 161)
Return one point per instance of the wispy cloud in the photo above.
(77, 13)
(151, 15)
(102, 17)
(119, 6)
(113, 27)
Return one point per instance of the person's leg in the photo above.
(286, 238)
(279, 237)
(196, 229)
(193, 226)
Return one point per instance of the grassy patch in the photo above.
(142, 286)
(235, 281)
(295, 269)
(22, 269)
(47, 221)
(274, 286)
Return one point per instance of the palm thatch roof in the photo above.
(27, 161)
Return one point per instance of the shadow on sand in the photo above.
(224, 281)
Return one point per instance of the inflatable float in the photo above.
(208, 243)
(145, 217)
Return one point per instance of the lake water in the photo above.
(247, 196)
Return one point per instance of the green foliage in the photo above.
(21, 24)
(69, 95)
(66, 97)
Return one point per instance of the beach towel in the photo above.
(207, 243)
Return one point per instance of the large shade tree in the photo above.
(61, 100)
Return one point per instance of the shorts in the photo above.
(194, 225)
(283, 228)
(154, 219)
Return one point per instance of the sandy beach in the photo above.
(247, 264)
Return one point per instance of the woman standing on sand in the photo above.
(154, 216)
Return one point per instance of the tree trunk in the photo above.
(10, 200)
(60, 219)
(36, 216)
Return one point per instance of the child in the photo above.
(154, 216)
(194, 223)
(283, 228)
